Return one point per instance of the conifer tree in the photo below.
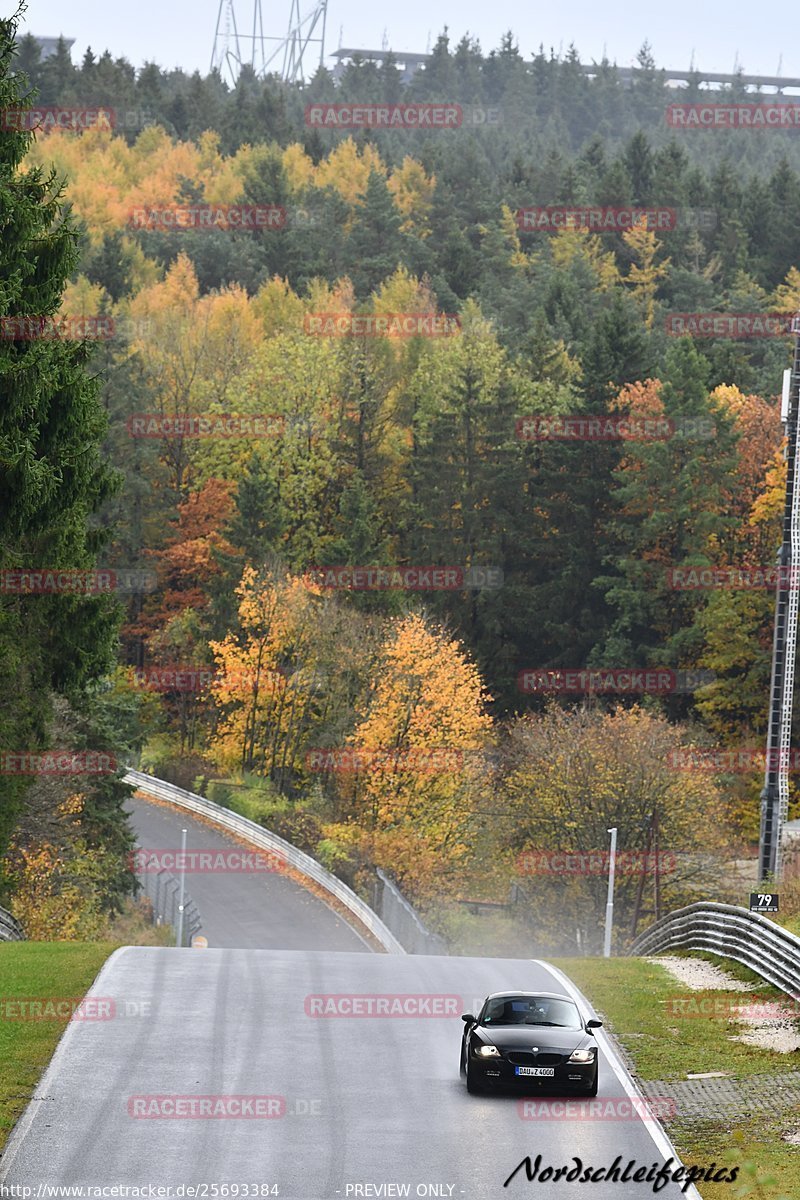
(52, 480)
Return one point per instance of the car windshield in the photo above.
(531, 1010)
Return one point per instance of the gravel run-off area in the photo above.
(765, 1025)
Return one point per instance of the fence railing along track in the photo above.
(257, 835)
(10, 930)
(745, 937)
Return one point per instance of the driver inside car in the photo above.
(536, 1014)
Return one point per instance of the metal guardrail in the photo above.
(10, 930)
(163, 892)
(259, 836)
(748, 938)
(403, 920)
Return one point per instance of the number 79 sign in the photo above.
(763, 902)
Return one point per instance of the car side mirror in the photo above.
(593, 1024)
(467, 1017)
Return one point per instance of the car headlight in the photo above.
(581, 1056)
(488, 1051)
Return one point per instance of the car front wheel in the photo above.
(473, 1086)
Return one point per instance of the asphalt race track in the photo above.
(262, 910)
(365, 1102)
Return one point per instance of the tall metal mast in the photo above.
(288, 56)
(775, 793)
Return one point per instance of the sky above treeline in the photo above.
(180, 33)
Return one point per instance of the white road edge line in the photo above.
(653, 1126)
(20, 1130)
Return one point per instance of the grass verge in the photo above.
(634, 999)
(28, 971)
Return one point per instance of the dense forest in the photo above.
(230, 429)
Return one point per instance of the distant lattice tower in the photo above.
(232, 49)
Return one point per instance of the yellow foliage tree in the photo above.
(572, 775)
(786, 297)
(413, 193)
(55, 896)
(645, 273)
(347, 169)
(299, 167)
(420, 737)
(265, 691)
(571, 244)
(193, 348)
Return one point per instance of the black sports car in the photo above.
(535, 1039)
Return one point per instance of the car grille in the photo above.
(522, 1058)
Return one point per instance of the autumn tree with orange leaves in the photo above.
(186, 566)
(265, 691)
(418, 750)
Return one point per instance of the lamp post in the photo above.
(179, 937)
(775, 793)
(612, 863)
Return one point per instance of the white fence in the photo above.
(403, 920)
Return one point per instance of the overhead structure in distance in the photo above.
(249, 46)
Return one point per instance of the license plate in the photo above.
(548, 1071)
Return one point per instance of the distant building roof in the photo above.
(399, 55)
(626, 74)
(49, 45)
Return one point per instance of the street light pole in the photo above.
(612, 864)
(179, 938)
(775, 793)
